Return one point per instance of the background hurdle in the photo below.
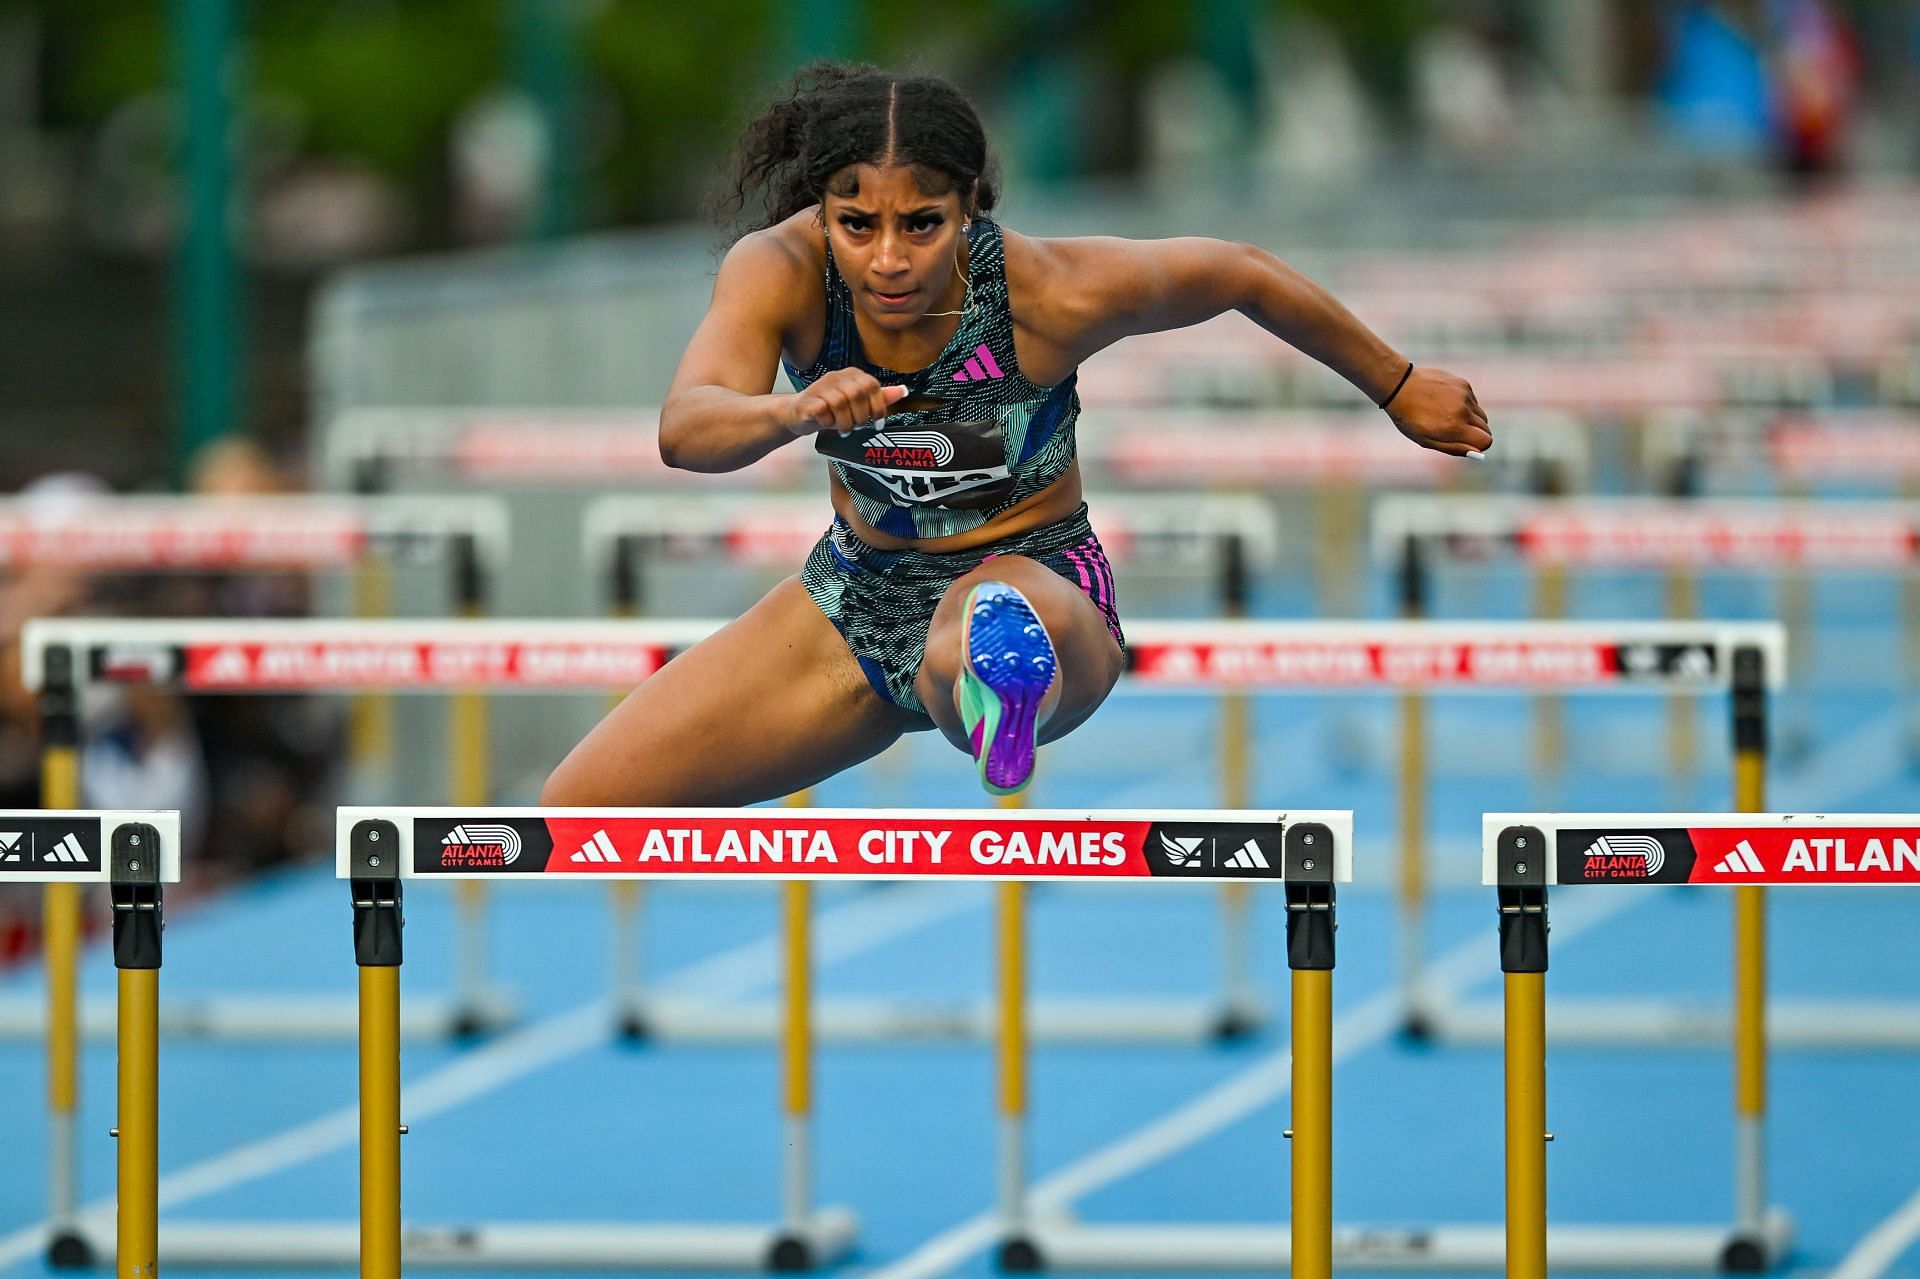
(133, 853)
(253, 534)
(1736, 535)
(1525, 854)
(1235, 536)
(680, 844)
(1618, 658)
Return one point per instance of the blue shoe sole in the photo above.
(1010, 662)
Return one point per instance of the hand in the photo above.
(841, 401)
(1437, 410)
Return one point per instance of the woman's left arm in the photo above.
(1119, 288)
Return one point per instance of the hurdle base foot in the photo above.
(634, 1026)
(71, 1250)
(1019, 1255)
(1417, 1026)
(1238, 1022)
(481, 1018)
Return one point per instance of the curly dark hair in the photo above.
(836, 115)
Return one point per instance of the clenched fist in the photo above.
(1437, 410)
(840, 401)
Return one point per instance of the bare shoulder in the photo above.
(788, 253)
(1060, 288)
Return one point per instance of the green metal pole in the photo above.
(546, 63)
(206, 301)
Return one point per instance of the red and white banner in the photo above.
(103, 537)
(1680, 536)
(825, 844)
(1194, 453)
(355, 664)
(1885, 452)
(1686, 848)
(1336, 664)
(597, 454)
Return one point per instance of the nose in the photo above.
(889, 255)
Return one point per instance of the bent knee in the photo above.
(570, 786)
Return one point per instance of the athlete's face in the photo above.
(897, 247)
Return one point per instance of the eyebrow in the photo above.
(925, 210)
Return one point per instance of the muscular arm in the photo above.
(1104, 290)
(720, 414)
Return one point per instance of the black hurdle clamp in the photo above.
(469, 573)
(623, 574)
(135, 890)
(1235, 579)
(1521, 875)
(373, 854)
(1309, 884)
(1414, 585)
(59, 698)
(1749, 700)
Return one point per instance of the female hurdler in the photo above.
(959, 585)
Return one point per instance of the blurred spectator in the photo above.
(1713, 89)
(1816, 78)
(1463, 87)
(26, 593)
(269, 759)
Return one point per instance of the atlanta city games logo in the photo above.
(1624, 857)
(473, 844)
(908, 448)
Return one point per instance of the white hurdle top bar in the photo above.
(844, 843)
(1763, 534)
(71, 846)
(1458, 656)
(350, 655)
(214, 533)
(768, 528)
(1716, 848)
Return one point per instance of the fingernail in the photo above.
(1478, 457)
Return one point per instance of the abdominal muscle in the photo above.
(1049, 506)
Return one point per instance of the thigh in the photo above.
(770, 704)
(1090, 657)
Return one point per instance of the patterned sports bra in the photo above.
(987, 439)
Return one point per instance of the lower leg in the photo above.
(1086, 658)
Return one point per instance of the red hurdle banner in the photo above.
(1715, 848)
(353, 655)
(341, 655)
(207, 534)
(775, 529)
(782, 844)
(1765, 535)
(1873, 446)
(544, 448)
(1633, 657)
(1267, 448)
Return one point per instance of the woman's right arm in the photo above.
(720, 414)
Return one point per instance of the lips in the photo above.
(893, 299)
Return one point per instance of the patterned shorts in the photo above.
(882, 601)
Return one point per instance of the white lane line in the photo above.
(1233, 1099)
(1885, 1244)
(866, 923)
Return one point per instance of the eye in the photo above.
(922, 225)
(853, 224)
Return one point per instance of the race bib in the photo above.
(957, 465)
